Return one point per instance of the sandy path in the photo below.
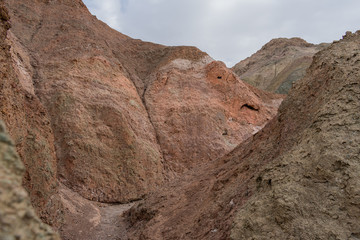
(87, 220)
(112, 226)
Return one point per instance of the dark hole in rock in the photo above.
(219, 77)
(259, 179)
(225, 132)
(251, 107)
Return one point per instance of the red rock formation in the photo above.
(29, 126)
(94, 81)
(204, 110)
(105, 144)
(113, 118)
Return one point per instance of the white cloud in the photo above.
(108, 11)
(229, 30)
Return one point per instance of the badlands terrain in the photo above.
(278, 64)
(108, 137)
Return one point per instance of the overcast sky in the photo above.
(228, 30)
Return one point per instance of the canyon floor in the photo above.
(88, 220)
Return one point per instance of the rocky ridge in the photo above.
(99, 89)
(278, 64)
(295, 179)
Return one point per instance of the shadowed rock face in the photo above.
(298, 178)
(118, 132)
(278, 64)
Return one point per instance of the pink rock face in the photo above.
(105, 145)
(201, 110)
(29, 126)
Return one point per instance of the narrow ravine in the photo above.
(88, 220)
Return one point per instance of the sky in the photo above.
(228, 30)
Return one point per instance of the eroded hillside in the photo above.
(100, 119)
(110, 117)
(298, 178)
(119, 130)
(278, 64)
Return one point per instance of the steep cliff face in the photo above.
(105, 144)
(298, 178)
(29, 126)
(118, 132)
(278, 64)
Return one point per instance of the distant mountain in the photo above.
(277, 64)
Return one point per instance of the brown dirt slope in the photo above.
(17, 217)
(29, 126)
(298, 178)
(312, 190)
(278, 64)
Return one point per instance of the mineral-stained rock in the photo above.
(298, 178)
(17, 217)
(29, 126)
(278, 64)
(203, 109)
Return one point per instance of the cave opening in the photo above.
(251, 107)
